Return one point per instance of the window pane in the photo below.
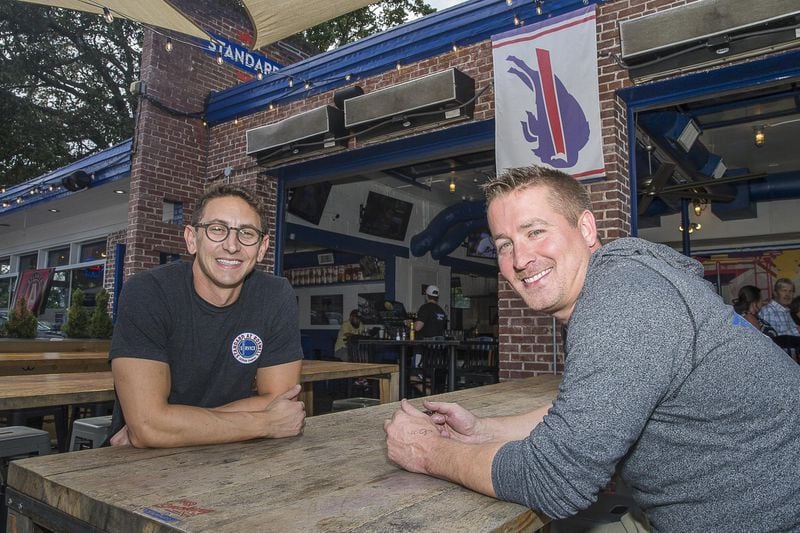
(90, 281)
(56, 258)
(6, 286)
(93, 251)
(59, 292)
(27, 262)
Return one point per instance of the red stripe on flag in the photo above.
(551, 101)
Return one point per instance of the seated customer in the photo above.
(776, 312)
(748, 304)
(191, 338)
(351, 327)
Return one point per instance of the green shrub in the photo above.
(100, 326)
(77, 323)
(21, 322)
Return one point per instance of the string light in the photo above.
(107, 15)
(291, 81)
(455, 47)
(236, 121)
(347, 77)
(271, 106)
(509, 2)
(307, 85)
(19, 199)
(5, 204)
(168, 45)
(452, 186)
(517, 22)
(398, 66)
(260, 75)
(539, 8)
(760, 136)
(219, 58)
(694, 226)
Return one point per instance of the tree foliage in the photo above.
(77, 323)
(101, 326)
(21, 322)
(364, 22)
(64, 86)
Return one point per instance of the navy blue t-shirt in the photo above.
(213, 352)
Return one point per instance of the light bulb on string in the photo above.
(219, 58)
(260, 75)
(168, 45)
(307, 85)
(347, 77)
(509, 2)
(539, 7)
(291, 81)
(452, 186)
(108, 16)
(517, 22)
(760, 136)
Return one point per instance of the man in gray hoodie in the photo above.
(700, 411)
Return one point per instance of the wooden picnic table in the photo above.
(50, 390)
(28, 363)
(334, 477)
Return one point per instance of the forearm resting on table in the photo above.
(469, 465)
(516, 427)
(172, 426)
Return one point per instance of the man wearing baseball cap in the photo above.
(431, 319)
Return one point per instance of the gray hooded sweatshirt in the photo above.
(699, 410)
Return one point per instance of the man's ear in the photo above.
(263, 247)
(189, 236)
(588, 226)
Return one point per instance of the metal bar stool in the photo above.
(89, 432)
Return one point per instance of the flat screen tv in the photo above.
(385, 217)
(480, 244)
(308, 201)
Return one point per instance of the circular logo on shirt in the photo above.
(246, 347)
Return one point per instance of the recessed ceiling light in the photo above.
(53, 210)
(119, 191)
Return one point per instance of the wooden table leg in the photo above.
(307, 397)
(390, 388)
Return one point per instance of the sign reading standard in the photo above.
(241, 56)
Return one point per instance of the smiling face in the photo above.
(784, 294)
(542, 255)
(219, 268)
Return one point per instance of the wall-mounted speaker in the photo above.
(309, 132)
(438, 97)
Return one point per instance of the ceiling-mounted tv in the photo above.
(308, 201)
(385, 217)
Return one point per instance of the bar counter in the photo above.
(335, 477)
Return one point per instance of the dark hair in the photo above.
(747, 295)
(224, 190)
(567, 195)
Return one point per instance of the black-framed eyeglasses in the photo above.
(218, 232)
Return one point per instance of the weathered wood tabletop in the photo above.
(47, 390)
(335, 477)
(29, 363)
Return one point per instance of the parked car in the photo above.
(43, 329)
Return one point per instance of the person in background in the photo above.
(748, 303)
(662, 381)
(192, 338)
(794, 307)
(776, 313)
(431, 321)
(352, 326)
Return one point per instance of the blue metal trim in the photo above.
(778, 67)
(107, 166)
(429, 36)
(467, 138)
(119, 275)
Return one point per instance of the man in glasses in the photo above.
(191, 338)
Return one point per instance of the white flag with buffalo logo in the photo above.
(547, 101)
